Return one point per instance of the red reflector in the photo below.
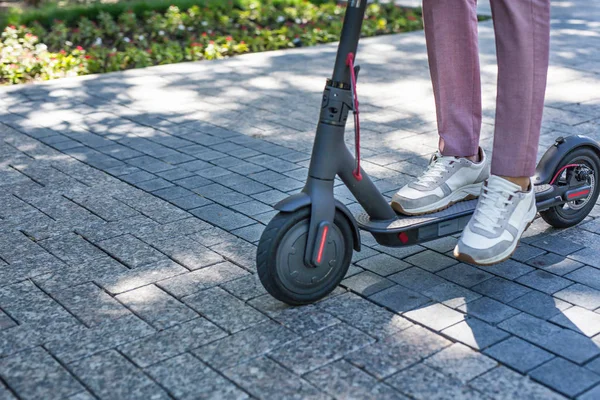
(403, 237)
(322, 245)
(577, 194)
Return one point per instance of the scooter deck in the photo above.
(408, 230)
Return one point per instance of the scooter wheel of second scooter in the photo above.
(280, 258)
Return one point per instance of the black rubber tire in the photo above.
(558, 218)
(267, 255)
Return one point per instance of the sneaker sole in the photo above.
(467, 196)
(485, 263)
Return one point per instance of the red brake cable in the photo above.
(350, 63)
(560, 171)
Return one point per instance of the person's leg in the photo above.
(507, 204)
(452, 46)
(523, 47)
(457, 172)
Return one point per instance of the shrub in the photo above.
(110, 41)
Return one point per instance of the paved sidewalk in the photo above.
(131, 205)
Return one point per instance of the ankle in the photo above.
(523, 181)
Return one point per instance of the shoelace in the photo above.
(492, 208)
(437, 168)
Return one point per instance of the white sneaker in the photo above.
(503, 213)
(447, 180)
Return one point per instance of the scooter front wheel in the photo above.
(280, 258)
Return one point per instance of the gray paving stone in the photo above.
(105, 207)
(90, 304)
(367, 283)
(399, 299)
(188, 253)
(224, 309)
(398, 351)
(580, 295)
(6, 322)
(461, 362)
(399, 252)
(417, 279)
(190, 202)
(555, 264)
(565, 377)
(383, 265)
(264, 378)
(540, 305)
(245, 288)
(186, 377)
(518, 354)
(423, 382)
(191, 282)
(431, 261)
(509, 269)
(530, 328)
(149, 164)
(172, 193)
(165, 213)
(252, 208)
(222, 217)
(343, 380)
(171, 342)
(558, 245)
(192, 182)
(503, 384)
(321, 348)
(587, 256)
(364, 315)
(32, 266)
(139, 225)
(526, 252)
(251, 233)
(306, 320)
(465, 275)
(175, 174)
(435, 316)
(579, 320)
(451, 295)
(587, 276)
(141, 276)
(64, 277)
(126, 381)
(544, 281)
(475, 333)
(501, 289)
(131, 251)
(270, 197)
(155, 184)
(156, 307)
(212, 236)
(245, 345)
(35, 374)
(72, 249)
(570, 345)
(75, 344)
(237, 251)
(594, 365)
(590, 394)
(28, 305)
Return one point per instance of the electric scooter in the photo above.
(306, 249)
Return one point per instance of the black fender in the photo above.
(549, 163)
(301, 200)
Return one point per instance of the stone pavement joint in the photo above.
(131, 205)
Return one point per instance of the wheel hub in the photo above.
(294, 273)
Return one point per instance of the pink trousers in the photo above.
(523, 40)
